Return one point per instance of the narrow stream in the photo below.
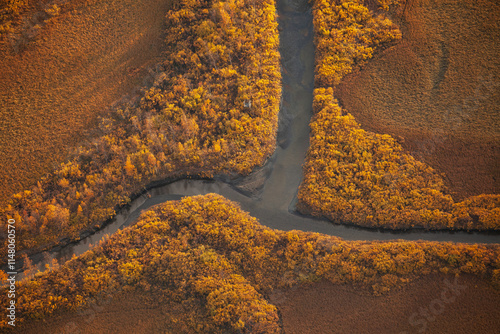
(270, 192)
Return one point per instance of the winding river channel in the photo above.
(269, 193)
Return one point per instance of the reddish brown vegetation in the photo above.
(326, 308)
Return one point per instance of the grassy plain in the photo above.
(438, 91)
(59, 81)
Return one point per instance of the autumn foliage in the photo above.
(213, 109)
(346, 33)
(206, 254)
(357, 177)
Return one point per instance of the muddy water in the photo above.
(272, 200)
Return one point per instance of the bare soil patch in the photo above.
(438, 91)
(327, 308)
(89, 56)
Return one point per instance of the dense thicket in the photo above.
(206, 254)
(11, 8)
(213, 109)
(358, 177)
